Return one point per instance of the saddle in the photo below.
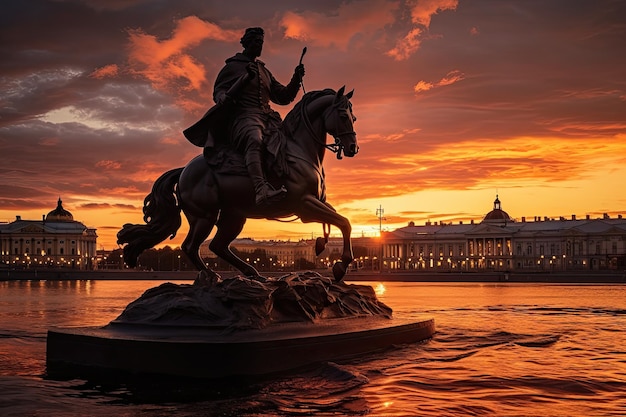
(224, 159)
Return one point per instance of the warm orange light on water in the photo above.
(380, 289)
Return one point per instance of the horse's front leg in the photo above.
(313, 210)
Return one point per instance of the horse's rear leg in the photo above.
(228, 228)
(313, 210)
(199, 230)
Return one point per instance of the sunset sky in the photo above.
(456, 100)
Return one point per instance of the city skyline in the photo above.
(456, 101)
(335, 233)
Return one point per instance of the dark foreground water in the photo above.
(500, 350)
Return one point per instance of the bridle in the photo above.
(337, 147)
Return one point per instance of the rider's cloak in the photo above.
(249, 87)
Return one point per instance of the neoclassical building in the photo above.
(57, 240)
(281, 254)
(500, 243)
(497, 243)
(287, 254)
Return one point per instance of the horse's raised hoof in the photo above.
(320, 245)
(206, 279)
(339, 271)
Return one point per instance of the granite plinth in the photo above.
(206, 352)
(235, 327)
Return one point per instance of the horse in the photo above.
(209, 197)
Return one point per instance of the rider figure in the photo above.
(253, 117)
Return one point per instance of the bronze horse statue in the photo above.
(211, 197)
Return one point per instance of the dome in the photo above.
(59, 214)
(497, 214)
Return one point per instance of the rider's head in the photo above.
(252, 41)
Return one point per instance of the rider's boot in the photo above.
(265, 193)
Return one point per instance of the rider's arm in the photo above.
(285, 94)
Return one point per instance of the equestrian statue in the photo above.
(254, 165)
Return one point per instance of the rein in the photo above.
(336, 147)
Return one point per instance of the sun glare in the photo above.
(380, 289)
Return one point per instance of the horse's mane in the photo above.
(295, 116)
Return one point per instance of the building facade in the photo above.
(292, 255)
(284, 255)
(55, 241)
(499, 243)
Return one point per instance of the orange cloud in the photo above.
(582, 129)
(128, 193)
(168, 140)
(338, 29)
(148, 171)
(449, 79)
(108, 164)
(422, 12)
(391, 137)
(107, 71)
(405, 47)
(166, 63)
(422, 86)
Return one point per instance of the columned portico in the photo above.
(500, 243)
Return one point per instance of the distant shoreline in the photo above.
(500, 276)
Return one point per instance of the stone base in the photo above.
(206, 352)
(236, 327)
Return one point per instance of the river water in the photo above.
(501, 349)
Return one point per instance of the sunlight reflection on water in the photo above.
(500, 349)
(380, 289)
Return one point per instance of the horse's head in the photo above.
(339, 122)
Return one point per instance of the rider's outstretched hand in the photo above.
(299, 71)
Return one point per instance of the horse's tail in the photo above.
(161, 214)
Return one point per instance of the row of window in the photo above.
(16, 251)
(27, 241)
(497, 248)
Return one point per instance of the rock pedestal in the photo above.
(238, 327)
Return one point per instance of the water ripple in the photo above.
(499, 350)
